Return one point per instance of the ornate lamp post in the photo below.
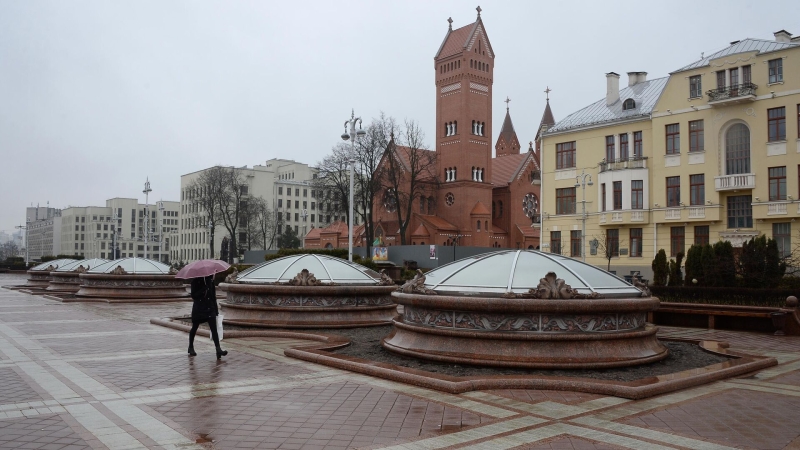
(352, 136)
(580, 181)
(25, 227)
(160, 230)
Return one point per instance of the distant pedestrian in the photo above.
(204, 310)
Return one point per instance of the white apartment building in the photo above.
(285, 184)
(40, 225)
(89, 231)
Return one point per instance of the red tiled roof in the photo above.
(404, 154)
(438, 223)
(313, 233)
(421, 231)
(507, 132)
(528, 231)
(480, 210)
(505, 167)
(455, 40)
(498, 230)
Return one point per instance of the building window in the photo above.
(740, 211)
(775, 70)
(499, 209)
(697, 189)
(623, 146)
(701, 235)
(565, 201)
(609, 148)
(777, 183)
(636, 242)
(603, 196)
(555, 242)
(695, 87)
(637, 144)
(746, 75)
(565, 155)
(612, 242)
(676, 240)
(737, 149)
(776, 123)
(617, 195)
(782, 233)
(673, 191)
(696, 138)
(575, 243)
(673, 139)
(721, 80)
(637, 194)
(734, 74)
(628, 104)
(280, 202)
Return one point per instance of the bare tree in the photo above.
(407, 170)
(261, 225)
(204, 195)
(608, 249)
(368, 154)
(249, 224)
(233, 190)
(333, 181)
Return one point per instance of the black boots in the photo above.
(191, 351)
(221, 353)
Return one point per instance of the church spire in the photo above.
(507, 142)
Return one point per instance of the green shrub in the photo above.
(760, 263)
(725, 272)
(660, 268)
(694, 266)
(675, 275)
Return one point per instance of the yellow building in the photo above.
(711, 152)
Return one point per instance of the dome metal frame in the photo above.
(294, 264)
(90, 262)
(108, 267)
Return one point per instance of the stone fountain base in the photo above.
(284, 306)
(64, 282)
(526, 333)
(109, 286)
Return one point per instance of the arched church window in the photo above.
(499, 209)
(737, 149)
(455, 127)
(478, 226)
(494, 209)
(628, 104)
(486, 225)
(422, 205)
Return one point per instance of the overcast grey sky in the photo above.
(95, 96)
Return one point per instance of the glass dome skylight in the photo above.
(133, 266)
(325, 268)
(517, 271)
(56, 263)
(87, 263)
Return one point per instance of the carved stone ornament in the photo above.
(552, 287)
(80, 269)
(637, 283)
(231, 278)
(172, 271)
(305, 278)
(416, 285)
(385, 279)
(119, 271)
(50, 268)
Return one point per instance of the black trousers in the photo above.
(212, 325)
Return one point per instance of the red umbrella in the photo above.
(202, 268)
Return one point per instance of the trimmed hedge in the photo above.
(723, 295)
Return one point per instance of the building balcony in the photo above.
(738, 93)
(637, 162)
(735, 182)
(626, 217)
(695, 213)
(777, 208)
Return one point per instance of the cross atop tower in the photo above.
(547, 93)
(450, 23)
(507, 100)
(479, 10)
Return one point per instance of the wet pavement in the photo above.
(79, 376)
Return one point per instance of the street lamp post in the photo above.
(352, 136)
(146, 193)
(25, 227)
(580, 181)
(211, 237)
(303, 215)
(160, 230)
(114, 243)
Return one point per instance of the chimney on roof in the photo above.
(612, 88)
(636, 78)
(783, 36)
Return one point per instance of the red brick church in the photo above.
(475, 199)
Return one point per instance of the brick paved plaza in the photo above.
(100, 376)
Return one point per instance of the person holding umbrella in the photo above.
(204, 298)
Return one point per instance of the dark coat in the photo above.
(204, 296)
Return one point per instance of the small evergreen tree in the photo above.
(694, 265)
(660, 268)
(675, 275)
(760, 264)
(288, 239)
(708, 261)
(725, 264)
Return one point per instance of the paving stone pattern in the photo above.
(99, 376)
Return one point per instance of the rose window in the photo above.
(449, 199)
